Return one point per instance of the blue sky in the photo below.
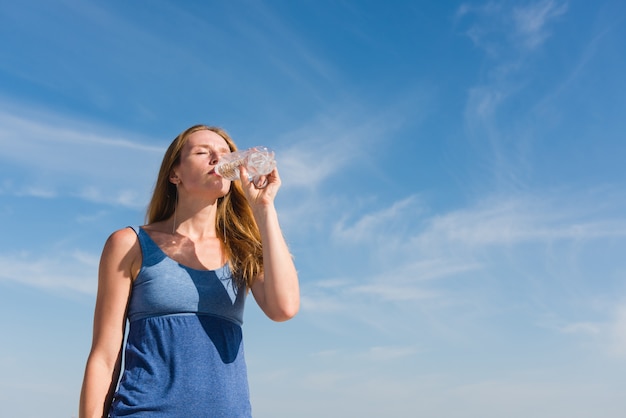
(453, 192)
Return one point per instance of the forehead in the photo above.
(206, 138)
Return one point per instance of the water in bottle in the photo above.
(259, 161)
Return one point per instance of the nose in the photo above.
(214, 159)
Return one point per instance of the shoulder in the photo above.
(124, 238)
(123, 249)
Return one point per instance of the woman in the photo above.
(181, 281)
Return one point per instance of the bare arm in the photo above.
(119, 263)
(277, 292)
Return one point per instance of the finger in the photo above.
(244, 176)
(261, 182)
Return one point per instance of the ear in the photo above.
(174, 179)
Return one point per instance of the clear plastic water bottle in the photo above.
(259, 161)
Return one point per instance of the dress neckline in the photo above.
(141, 228)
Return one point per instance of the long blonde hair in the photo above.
(235, 224)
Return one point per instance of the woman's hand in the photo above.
(263, 191)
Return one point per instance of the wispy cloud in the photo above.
(381, 224)
(571, 79)
(377, 353)
(274, 36)
(532, 20)
(412, 239)
(53, 155)
(66, 271)
(325, 146)
(339, 146)
(390, 353)
(497, 26)
(522, 394)
(368, 391)
(450, 271)
(519, 219)
(618, 331)
(510, 35)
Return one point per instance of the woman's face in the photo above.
(196, 171)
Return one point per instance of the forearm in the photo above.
(98, 388)
(280, 295)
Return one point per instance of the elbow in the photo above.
(285, 313)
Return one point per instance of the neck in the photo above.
(195, 221)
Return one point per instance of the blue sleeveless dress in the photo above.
(184, 350)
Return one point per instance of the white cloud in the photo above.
(534, 394)
(74, 271)
(509, 35)
(325, 147)
(377, 353)
(275, 36)
(520, 219)
(347, 140)
(617, 329)
(51, 155)
(390, 353)
(454, 272)
(586, 327)
(309, 164)
(496, 27)
(382, 223)
(602, 329)
(531, 21)
(393, 292)
(406, 240)
(315, 302)
(35, 191)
